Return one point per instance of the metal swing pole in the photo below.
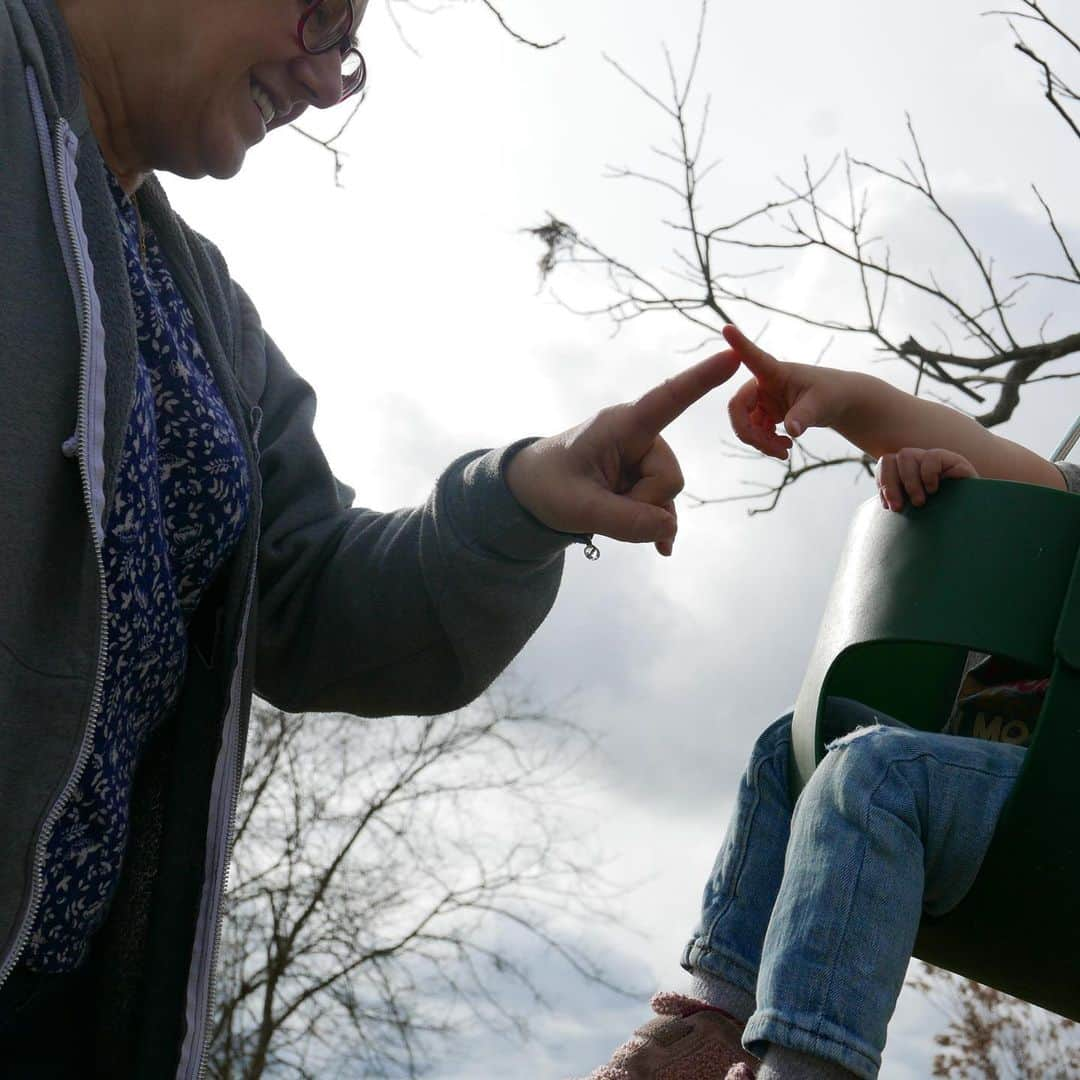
(1066, 444)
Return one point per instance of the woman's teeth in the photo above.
(265, 105)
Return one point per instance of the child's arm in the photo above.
(877, 417)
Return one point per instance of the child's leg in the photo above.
(725, 950)
(893, 822)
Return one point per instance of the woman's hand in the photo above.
(614, 475)
(799, 396)
(917, 473)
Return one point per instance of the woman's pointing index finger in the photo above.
(659, 406)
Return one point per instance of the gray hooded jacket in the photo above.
(323, 606)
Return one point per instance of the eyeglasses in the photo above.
(326, 25)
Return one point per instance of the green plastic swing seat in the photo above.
(993, 567)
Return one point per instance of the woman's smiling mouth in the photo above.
(264, 102)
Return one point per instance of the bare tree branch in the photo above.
(1056, 90)
(517, 36)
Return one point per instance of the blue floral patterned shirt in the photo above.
(180, 505)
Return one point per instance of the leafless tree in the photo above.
(720, 265)
(990, 1036)
(387, 878)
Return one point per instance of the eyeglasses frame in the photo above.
(346, 36)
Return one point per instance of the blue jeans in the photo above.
(813, 909)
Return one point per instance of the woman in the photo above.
(173, 537)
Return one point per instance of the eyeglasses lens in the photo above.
(326, 24)
(353, 73)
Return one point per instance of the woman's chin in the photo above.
(226, 172)
(223, 160)
(220, 158)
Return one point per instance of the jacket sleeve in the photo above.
(410, 612)
(1071, 473)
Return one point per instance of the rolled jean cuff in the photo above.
(838, 1046)
(699, 957)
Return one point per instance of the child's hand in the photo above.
(799, 396)
(917, 473)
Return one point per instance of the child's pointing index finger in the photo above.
(658, 407)
(755, 358)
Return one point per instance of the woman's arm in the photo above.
(411, 611)
(418, 610)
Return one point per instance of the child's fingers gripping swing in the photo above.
(915, 473)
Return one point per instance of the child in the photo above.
(800, 962)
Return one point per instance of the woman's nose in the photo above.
(320, 75)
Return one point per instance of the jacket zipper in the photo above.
(199, 1006)
(64, 144)
(203, 1060)
(233, 750)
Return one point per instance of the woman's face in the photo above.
(226, 72)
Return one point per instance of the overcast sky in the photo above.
(410, 298)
